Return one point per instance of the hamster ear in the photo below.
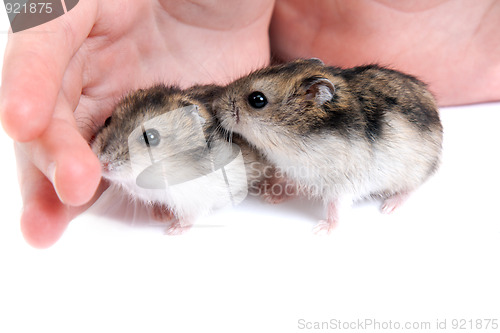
(318, 89)
(316, 61)
(195, 111)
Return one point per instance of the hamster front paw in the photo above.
(178, 227)
(162, 213)
(277, 190)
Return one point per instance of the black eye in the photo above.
(257, 100)
(107, 121)
(151, 137)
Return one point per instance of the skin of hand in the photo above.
(61, 80)
(452, 45)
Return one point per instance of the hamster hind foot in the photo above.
(326, 226)
(162, 213)
(178, 227)
(277, 190)
(393, 202)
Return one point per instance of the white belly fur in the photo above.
(332, 167)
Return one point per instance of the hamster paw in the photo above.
(178, 228)
(391, 203)
(275, 199)
(324, 227)
(278, 190)
(162, 213)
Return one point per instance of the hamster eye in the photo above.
(150, 137)
(257, 100)
(107, 121)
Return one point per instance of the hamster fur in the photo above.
(338, 133)
(180, 203)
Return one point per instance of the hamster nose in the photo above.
(237, 114)
(235, 110)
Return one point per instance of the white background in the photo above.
(261, 269)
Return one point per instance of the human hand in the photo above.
(451, 45)
(61, 80)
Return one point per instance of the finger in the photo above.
(44, 217)
(65, 158)
(67, 161)
(34, 64)
(61, 153)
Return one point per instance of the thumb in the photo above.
(34, 65)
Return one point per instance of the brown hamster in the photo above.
(164, 147)
(338, 133)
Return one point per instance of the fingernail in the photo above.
(51, 175)
(51, 172)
